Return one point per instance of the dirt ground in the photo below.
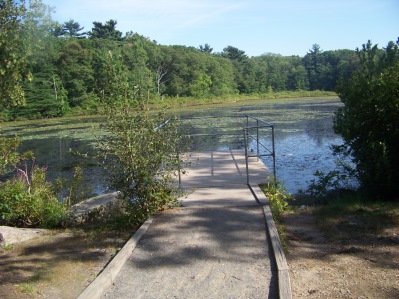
(365, 266)
(61, 264)
(56, 264)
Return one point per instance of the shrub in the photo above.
(368, 121)
(30, 203)
(26, 199)
(278, 199)
(139, 154)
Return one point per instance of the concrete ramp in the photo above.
(226, 196)
(200, 253)
(217, 245)
(222, 168)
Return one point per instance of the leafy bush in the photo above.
(368, 121)
(323, 183)
(30, 203)
(139, 154)
(26, 199)
(342, 177)
(278, 199)
(72, 191)
(9, 157)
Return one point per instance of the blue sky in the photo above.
(285, 27)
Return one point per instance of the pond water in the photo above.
(303, 136)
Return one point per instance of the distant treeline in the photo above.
(67, 72)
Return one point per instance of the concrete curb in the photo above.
(284, 284)
(104, 281)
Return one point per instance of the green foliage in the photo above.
(368, 122)
(278, 199)
(234, 53)
(206, 48)
(45, 97)
(27, 200)
(106, 31)
(72, 191)
(38, 51)
(279, 204)
(139, 155)
(75, 71)
(342, 178)
(140, 159)
(10, 159)
(323, 183)
(201, 86)
(22, 25)
(70, 29)
(12, 52)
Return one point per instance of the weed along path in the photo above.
(217, 245)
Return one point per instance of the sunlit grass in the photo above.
(275, 97)
(27, 288)
(351, 216)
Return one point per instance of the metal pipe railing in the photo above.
(252, 130)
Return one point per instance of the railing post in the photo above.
(257, 139)
(178, 167)
(274, 157)
(246, 152)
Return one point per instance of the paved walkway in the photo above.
(215, 246)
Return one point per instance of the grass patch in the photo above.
(176, 102)
(351, 217)
(27, 288)
(7, 247)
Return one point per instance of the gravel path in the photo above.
(201, 253)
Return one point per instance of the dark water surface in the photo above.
(303, 136)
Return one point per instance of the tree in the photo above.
(135, 60)
(221, 71)
(206, 49)
(313, 62)
(239, 60)
(22, 28)
(201, 86)
(75, 71)
(234, 53)
(107, 30)
(161, 72)
(45, 97)
(297, 78)
(140, 154)
(14, 53)
(369, 120)
(71, 29)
